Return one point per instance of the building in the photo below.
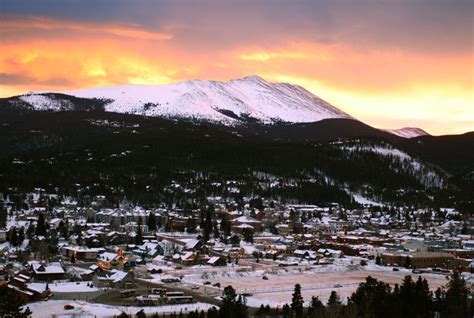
(47, 272)
(25, 291)
(114, 279)
(82, 253)
(108, 260)
(418, 260)
(217, 261)
(247, 220)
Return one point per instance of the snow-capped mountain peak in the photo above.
(246, 99)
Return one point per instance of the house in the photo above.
(193, 245)
(217, 261)
(82, 253)
(307, 254)
(114, 279)
(256, 224)
(283, 229)
(148, 249)
(189, 258)
(47, 271)
(25, 291)
(89, 273)
(242, 228)
(327, 252)
(108, 260)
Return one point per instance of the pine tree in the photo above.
(225, 226)
(31, 231)
(371, 298)
(235, 240)
(151, 222)
(63, 229)
(13, 236)
(423, 298)
(407, 262)
(248, 235)
(207, 224)
(139, 236)
(3, 217)
(316, 307)
(406, 296)
(21, 235)
(228, 308)
(286, 311)
(334, 300)
(40, 226)
(456, 298)
(297, 302)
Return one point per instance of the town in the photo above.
(59, 258)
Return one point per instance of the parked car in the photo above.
(265, 277)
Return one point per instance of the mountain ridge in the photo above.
(249, 99)
(246, 100)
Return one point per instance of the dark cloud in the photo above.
(19, 79)
(438, 26)
(13, 79)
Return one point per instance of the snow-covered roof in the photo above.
(246, 219)
(192, 243)
(213, 259)
(43, 268)
(107, 256)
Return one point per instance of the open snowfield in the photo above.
(277, 289)
(314, 280)
(73, 287)
(47, 309)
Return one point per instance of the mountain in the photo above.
(408, 132)
(249, 99)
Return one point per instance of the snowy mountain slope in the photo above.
(45, 102)
(408, 132)
(241, 100)
(427, 174)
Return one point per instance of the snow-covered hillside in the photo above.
(408, 132)
(428, 175)
(45, 102)
(247, 99)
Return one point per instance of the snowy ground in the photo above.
(46, 309)
(277, 289)
(365, 201)
(79, 287)
(342, 277)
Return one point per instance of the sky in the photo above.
(388, 63)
